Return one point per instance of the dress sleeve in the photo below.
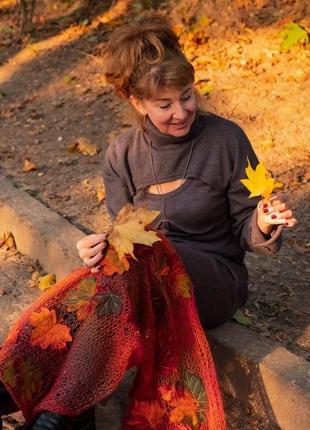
(242, 209)
(116, 190)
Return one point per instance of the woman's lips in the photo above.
(179, 124)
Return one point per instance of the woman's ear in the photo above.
(137, 104)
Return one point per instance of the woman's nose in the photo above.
(179, 112)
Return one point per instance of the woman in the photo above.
(187, 165)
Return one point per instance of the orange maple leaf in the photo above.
(152, 412)
(111, 263)
(47, 332)
(184, 407)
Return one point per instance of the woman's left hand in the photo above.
(275, 211)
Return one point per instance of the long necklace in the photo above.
(158, 187)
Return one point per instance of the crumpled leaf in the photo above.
(47, 331)
(128, 229)
(100, 195)
(146, 413)
(258, 182)
(29, 166)
(7, 241)
(47, 281)
(80, 299)
(84, 146)
(293, 35)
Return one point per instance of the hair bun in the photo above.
(133, 49)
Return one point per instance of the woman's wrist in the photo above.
(264, 227)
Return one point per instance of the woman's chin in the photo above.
(179, 132)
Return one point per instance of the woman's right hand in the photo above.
(91, 247)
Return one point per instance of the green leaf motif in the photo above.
(32, 379)
(194, 384)
(108, 304)
(9, 376)
(83, 292)
(240, 318)
(293, 35)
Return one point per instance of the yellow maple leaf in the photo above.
(45, 282)
(258, 182)
(129, 228)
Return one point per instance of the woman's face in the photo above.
(172, 111)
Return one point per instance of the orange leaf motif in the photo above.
(150, 412)
(80, 299)
(47, 332)
(184, 407)
(180, 278)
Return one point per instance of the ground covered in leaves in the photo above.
(57, 117)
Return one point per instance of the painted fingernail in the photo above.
(265, 205)
(265, 210)
(286, 223)
(273, 216)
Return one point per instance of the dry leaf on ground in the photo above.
(29, 166)
(84, 146)
(47, 281)
(7, 241)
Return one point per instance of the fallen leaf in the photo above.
(70, 79)
(7, 241)
(29, 166)
(84, 146)
(47, 281)
(241, 318)
(206, 89)
(100, 195)
(47, 331)
(294, 34)
(258, 183)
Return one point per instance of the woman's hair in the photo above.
(144, 56)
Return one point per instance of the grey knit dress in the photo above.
(209, 219)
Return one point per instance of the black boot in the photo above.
(7, 404)
(51, 421)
